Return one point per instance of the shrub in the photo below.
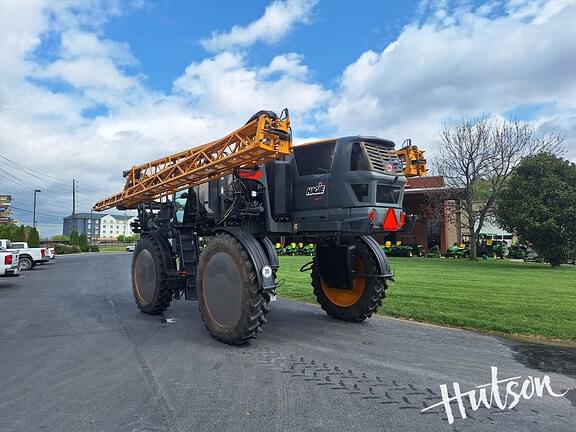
(62, 249)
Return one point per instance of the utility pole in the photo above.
(91, 229)
(73, 221)
(34, 212)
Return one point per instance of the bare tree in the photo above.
(477, 156)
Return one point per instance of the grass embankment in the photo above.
(501, 296)
(112, 248)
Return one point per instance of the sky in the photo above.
(89, 88)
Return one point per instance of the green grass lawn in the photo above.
(501, 296)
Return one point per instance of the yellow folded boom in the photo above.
(261, 140)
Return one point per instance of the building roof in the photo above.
(432, 182)
(87, 216)
(121, 217)
(95, 215)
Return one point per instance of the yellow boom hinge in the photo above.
(264, 138)
(413, 159)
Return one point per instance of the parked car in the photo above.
(130, 248)
(28, 257)
(9, 265)
(51, 253)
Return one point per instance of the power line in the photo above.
(42, 175)
(38, 213)
(30, 170)
(26, 185)
(32, 181)
(13, 179)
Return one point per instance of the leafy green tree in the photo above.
(83, 242)
(33, 238)
(539, 204)
(20, 235)
(121, 238)
(7, 231)
(60, 237)
(74, 239)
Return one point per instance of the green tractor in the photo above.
(309, 249)
(500, 249)
(397, 250)
(292, 249)
(457, 251)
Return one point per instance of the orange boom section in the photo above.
(264, 138)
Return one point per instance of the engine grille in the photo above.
(381, 156)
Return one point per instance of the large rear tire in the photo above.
(231, 303)
(366, 294)
(150, 286)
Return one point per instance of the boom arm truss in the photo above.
(263, 139)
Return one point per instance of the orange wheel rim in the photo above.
(343, 297)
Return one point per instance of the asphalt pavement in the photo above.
(77, 355)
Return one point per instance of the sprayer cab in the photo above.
(350, 185)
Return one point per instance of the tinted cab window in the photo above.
(314, 158)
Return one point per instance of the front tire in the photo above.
(366, 294)
(231, 303)
(150, 286)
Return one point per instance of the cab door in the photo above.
(314, 184)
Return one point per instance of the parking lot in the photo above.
(77, 355)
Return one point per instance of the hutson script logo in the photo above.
(316, 190)
(503, 394)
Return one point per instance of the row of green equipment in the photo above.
(295, 249)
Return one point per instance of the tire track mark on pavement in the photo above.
(359, 385)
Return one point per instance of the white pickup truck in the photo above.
(9, 263)
(28, 257)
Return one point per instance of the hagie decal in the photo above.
(316, 190)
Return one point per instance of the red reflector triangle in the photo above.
(390, 222)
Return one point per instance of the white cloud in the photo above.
(225, 86)
(78, 44)
(279, 18)
(436, 72)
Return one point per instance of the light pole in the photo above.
(34, 213)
